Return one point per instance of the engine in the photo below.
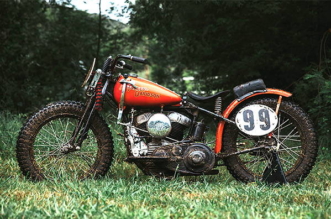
(161, 125)
(157, 129)
(154, 136)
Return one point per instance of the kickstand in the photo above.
(274, 173)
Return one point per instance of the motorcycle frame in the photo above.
(227, 112)
(223, 117)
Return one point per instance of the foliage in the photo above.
(314, 91)
(10, 125)
(47, 47)
(225, 43)
(126, 193)
(46, 50)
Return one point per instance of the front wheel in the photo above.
(294, 135)
(42, 144)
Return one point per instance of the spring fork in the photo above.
(218, 105)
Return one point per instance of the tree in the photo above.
(225, 43)
(46, 50)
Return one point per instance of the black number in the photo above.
(249, 117)
(265, 118)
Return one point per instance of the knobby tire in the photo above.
(42, 137)
(298, 150)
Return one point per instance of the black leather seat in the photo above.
(199, 98)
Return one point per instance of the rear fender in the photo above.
(227, 112)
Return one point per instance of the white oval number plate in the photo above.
(256, 120)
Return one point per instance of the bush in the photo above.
(314, 93)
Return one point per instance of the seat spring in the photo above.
(218, 105)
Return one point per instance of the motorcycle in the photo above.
(261, 135)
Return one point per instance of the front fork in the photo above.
(95, 93)
(81, 130)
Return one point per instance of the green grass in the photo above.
(126, 193)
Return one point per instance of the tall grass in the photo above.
(126, 193)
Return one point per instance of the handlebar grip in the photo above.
(133, 58)
(139, 59)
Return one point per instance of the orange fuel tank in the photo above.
(145, 93)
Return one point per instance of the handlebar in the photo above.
(134, 58)
(124, 65)
(139, 59)
(110, 64)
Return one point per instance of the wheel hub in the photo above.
(67, 148)
(197, 158)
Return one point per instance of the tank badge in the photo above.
(142, 91)
(146, 94)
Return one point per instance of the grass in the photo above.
(126, 193)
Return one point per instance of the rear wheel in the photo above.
(42, 146)
(294, 134)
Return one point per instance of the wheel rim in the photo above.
(48, 153)
(286, 135)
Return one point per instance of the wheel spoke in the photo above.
(285, 162)
(43, 147)
(88, 159)
(50, 157)
(284, 124)
(287, 148)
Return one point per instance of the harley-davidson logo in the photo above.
(146, 94)
(142, 91)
